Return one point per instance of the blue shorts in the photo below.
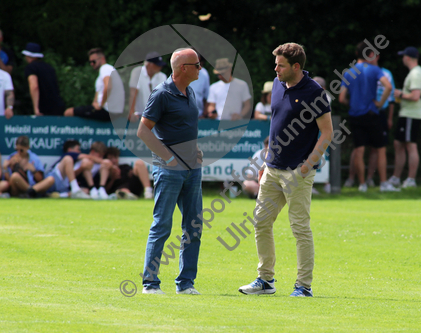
(60, 184)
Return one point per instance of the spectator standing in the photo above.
(43, 84)
(409, 121)
(361, 83)
(6, 57)
(223, 106)
(263, 110)
(201, 89)
(99, 108)
(6, 92)
(150, 76)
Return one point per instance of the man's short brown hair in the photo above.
(99, 147)
(96, 50)
(293, 53)
(112, 151)
(22, 141)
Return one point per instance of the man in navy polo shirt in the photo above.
(169, 127)
(299, 110)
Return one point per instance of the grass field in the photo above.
(62, 262)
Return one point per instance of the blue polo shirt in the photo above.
(362, 88)
(293, 127)
(35, 160)
(176, 116)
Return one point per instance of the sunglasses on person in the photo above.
(196, 64)
(93, 62)
(20, 150)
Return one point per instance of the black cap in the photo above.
(155, 58)
(410, 51)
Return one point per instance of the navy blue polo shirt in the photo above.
(176, 118)
(293, 128)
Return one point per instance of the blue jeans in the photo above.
(184, 188)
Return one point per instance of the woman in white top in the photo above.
(263, 110)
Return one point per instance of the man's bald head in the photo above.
(183, 56)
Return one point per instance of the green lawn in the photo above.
(62, 262)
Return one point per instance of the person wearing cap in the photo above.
(223, 106)
(169, 128)
(6, 92)
(201, 89)
(149, 77)
(6, 57)
(409, 120)
(263, 110)
(367, 130)
(43, 84)
(99, 108)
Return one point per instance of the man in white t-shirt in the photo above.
(251, 184)
(99, 107)
(149, 77)
(234, 105)
(409, 121)
(6, 90)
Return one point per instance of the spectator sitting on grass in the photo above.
(125, 181)
(64, 175)
(4, 184)
(89, 167)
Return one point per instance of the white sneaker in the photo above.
(79, 195)
(327, 188)
(123, 195)
(190, 291)
(94, 193)
(370, 182)
(102, 194)
(409, 182)
(395, 181)
(362, 188)
(314, 191)
(5, 195)
(152, 291)
(387, 187)
(148, 194)
(349, 183)
(259, 286)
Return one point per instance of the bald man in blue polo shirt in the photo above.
(299, 110)
(169, 127)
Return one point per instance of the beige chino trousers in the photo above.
(277, 188)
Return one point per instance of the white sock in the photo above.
(74, 186)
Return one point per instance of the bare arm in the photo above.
(34, 91)
(325, 126)
(390, 115)
(144, 133)
(10, 101)
(211, 108)
(132, 101)
(245, 111)
(260, 116)
(414, 95)
(105, 91)
(342, 96)
(7, 68)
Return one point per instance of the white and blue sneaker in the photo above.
(300, 291)
(258, 287)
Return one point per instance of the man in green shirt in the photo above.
(409, 120)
